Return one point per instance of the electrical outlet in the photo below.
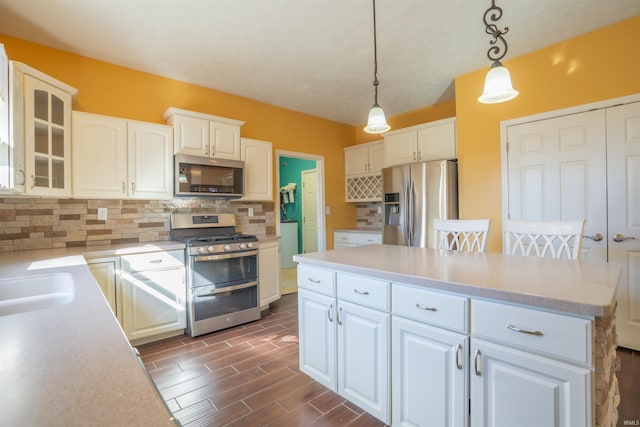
(327, 210)
(379, 210)
(102, 214)
(250, 211)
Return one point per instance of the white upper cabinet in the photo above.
(199, 134)
(43, 121)
(429, 141)
(364, 159)
(121, 158)
(258, 169)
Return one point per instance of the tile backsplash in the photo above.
(367, 216)
(44, 223)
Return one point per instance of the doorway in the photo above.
(301, 205)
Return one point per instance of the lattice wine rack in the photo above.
(364, 188)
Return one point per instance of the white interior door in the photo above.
(309, 211)
(557, 171)
(623, 151)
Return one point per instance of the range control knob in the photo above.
(211, 249)
(202, 250)
(227, 248)
(243, 246)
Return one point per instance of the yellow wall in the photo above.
(113, 90)
(596, 66)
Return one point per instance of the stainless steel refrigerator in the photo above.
(415, 194)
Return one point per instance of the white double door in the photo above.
(586, 165)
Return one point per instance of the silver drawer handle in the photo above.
(313, 280)
(524, 331)
(155, 261)
(329, 313)
(424, 307)
(358, 291)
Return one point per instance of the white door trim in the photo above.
(322, 240)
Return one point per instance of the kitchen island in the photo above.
(71, 364)
(413, 335)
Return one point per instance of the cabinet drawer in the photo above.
(317, 280)
(345, 238)
(558, 335)
(434, 308)
(153, 260)
(364, 291)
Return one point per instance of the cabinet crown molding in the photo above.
(171, 111)
(24, 68)
(421, 126)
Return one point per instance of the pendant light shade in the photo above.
(377, 123)
(497, 85)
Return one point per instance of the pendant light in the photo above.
(497, 84)
(377, 123)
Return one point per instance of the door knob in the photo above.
(621, 238)
(596, 237)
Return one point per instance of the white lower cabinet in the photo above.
(146, 292)
(511, 387)
(349, 239)
(269, 272)
(345, 342)
(412, 356)
(106, 273)
(317, 337)
(429, 371)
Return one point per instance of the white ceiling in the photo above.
(313, 56)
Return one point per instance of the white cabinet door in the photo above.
(269, 272)
(317, 335)
(513, 388)
(376, 158)
(401, 148)
(363, 358)
(150, 161)
(106, 272)
(623, 176)
(430, 370)
(224, 141)
(99, 155)
(437, 142)
(258, 169)
(47, 124)
(356, 161)
(191, 135)
(153, 302)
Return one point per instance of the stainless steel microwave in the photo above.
(202, 176)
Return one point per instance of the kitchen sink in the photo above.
(27, 293)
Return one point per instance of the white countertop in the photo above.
(72, 364)
(577, 287)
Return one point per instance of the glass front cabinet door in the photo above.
(47, 138)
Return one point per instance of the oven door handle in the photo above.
(202, 258)
(227, 289)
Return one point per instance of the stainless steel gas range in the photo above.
(222, 271)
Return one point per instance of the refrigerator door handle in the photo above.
(410, 212)
(407, 219)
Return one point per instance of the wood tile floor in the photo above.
(248, 376)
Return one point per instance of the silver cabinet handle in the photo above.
(424, 307)
(124, 187)
(620, 238)
(338, 316)
(524, 331)
(414, 155)
(419, 155)
(133, 187)
(358, 291)
(329, 313)
(313, 280)
(596, 237)
(33, 181)
(477, 358)
(459, 356)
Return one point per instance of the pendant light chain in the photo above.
(375, 57)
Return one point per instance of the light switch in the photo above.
(250, 211)
(102, 214)
(327, 210)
